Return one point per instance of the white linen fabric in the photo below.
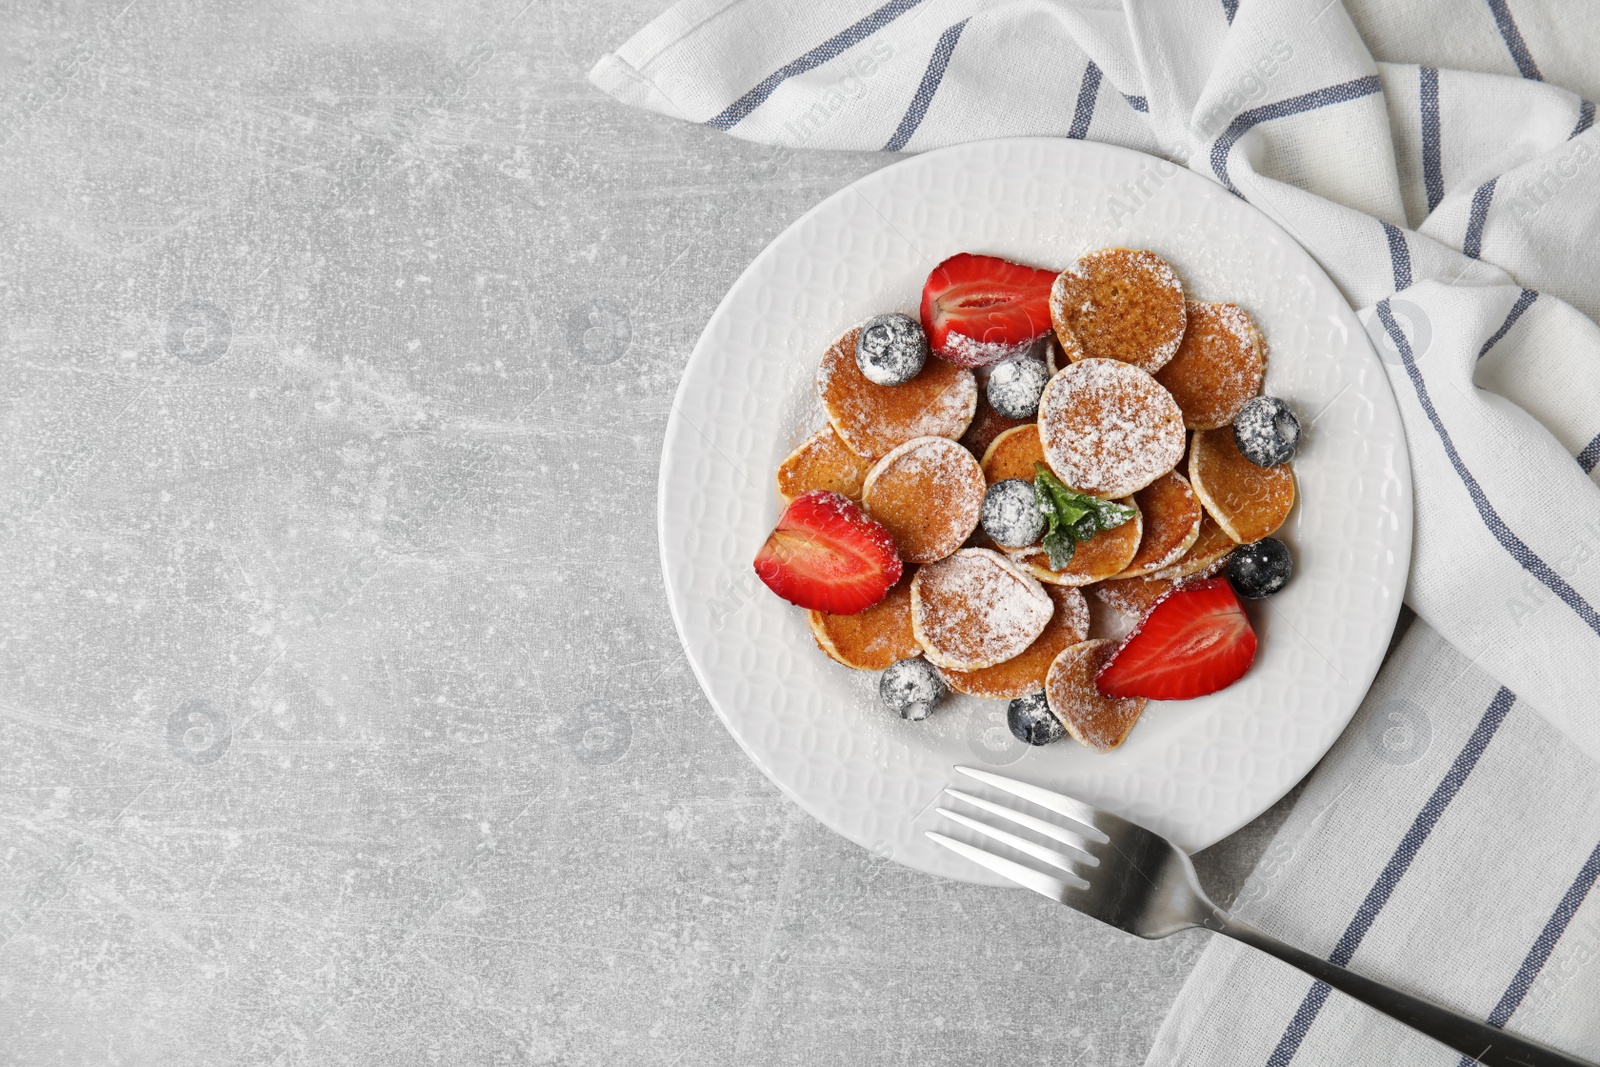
(1447, 845)
(1440, 159)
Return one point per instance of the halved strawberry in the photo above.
(1195, 640)
(825, 554)
(978, 310)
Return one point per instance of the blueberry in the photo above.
(1266, 431)
(1016, 385)
(1011, 514)
(1260, 569)
(891, 349)
(1032, 721)
(911, 687)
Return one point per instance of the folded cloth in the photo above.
(1428, 155)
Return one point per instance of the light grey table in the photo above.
(341, 717)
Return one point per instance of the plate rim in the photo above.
(1405, 506)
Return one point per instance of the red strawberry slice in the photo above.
(978, 310)
(825, 554)
(1195, 640)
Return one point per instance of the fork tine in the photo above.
(1040, 883)
(1037, 825)
(1075, 810)
(1037, 851)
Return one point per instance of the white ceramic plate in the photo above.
(1194, 770)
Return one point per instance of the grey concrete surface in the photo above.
(341, 717)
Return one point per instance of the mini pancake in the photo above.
(1119, 303)
(1218, 366)
(1171, 524)
(988, 424)
(1025, 673)
(928, 493)
(976, 609)
(873, 419)
(1208, 555)
(869, 640)
(1108, 428)
(1095, 721)
(1131, 596)
(822, 462)
(1013, 455)
(1248, 501)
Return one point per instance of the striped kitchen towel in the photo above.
(1448, 845)
(1440, 160)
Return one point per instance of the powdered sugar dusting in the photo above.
(1131, 596)
(871, 419)
(1097, 722)
(1119, 303)
(967, 351)
(1218, 366)
(975, 609)
(928, 492)
(1108, 428)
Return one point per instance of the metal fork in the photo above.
(1138, 881)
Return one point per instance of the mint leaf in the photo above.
(1061, 546)
(1071, 517)
(1108, 514)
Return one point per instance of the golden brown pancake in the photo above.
(1248, 501)
(822, 462)
(869, 640)
(873, 419)
(1119, 303)
(1108, 428)
(1024, 673)
(975, 609)
(928, 493)
(1097, 722)
(1208, 555)
(1013, 455)
(1171, 524)
(1131, 596)
(1218, 366)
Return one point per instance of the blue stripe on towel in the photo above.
(931, 78)
(829, 49)
(1481, 199)
(1399, 256)
(1138, 103)
(1525, 300)
(1393, 871)
(1088, 90)
(1545, 944)
(1590, 455)
(1230, 8)
(1514, 545)
(1585, 118)
(1514, 42)
(1333, 94)
(1432, 173)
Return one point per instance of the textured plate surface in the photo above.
(1195, 770)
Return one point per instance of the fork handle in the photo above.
(1486, 1044)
